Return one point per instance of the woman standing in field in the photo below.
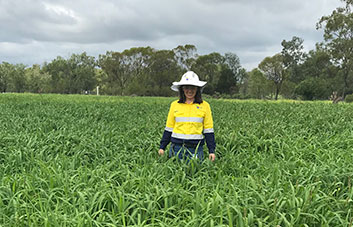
(189, 121)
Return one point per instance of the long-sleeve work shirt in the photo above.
(190, 124)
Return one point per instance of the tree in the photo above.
(293, 56)
(208, 68)
(59, 71)
(244, 83)
(101, 77)
(37, 81)
(318, 64)
(71, 76)
(232, 61)
(338, 36)
(274, 70)
(313, 88)
(5, 69)
(259, 86)
(16, 77)
(82, 72)
(185, 56)
(226, 81)
(121, 68)
(162, 71)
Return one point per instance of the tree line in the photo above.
(141, 71)
(144, 71)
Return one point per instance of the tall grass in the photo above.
(92, 161)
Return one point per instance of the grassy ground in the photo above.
(69, 160)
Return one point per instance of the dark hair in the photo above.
(182, 98)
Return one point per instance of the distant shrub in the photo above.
(349, 98)
(312, 89)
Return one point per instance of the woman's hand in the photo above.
(161, 152)
(212, 157)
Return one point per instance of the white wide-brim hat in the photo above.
(189, 78)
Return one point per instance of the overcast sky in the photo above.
(35, 31)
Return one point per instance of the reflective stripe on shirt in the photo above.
(189, 119)
(187, 137)
(208, 130)
(169, 129)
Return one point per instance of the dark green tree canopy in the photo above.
(338, 35)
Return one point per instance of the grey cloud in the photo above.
(249, 28)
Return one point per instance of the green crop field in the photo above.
(70, 160)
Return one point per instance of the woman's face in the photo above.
(189, 91)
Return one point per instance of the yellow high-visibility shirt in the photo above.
(189, 121)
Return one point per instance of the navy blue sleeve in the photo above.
(211, 143)
(165, 139)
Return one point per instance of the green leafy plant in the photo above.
(349, 98)
(71, 160)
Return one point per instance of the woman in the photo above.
(189, 121)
